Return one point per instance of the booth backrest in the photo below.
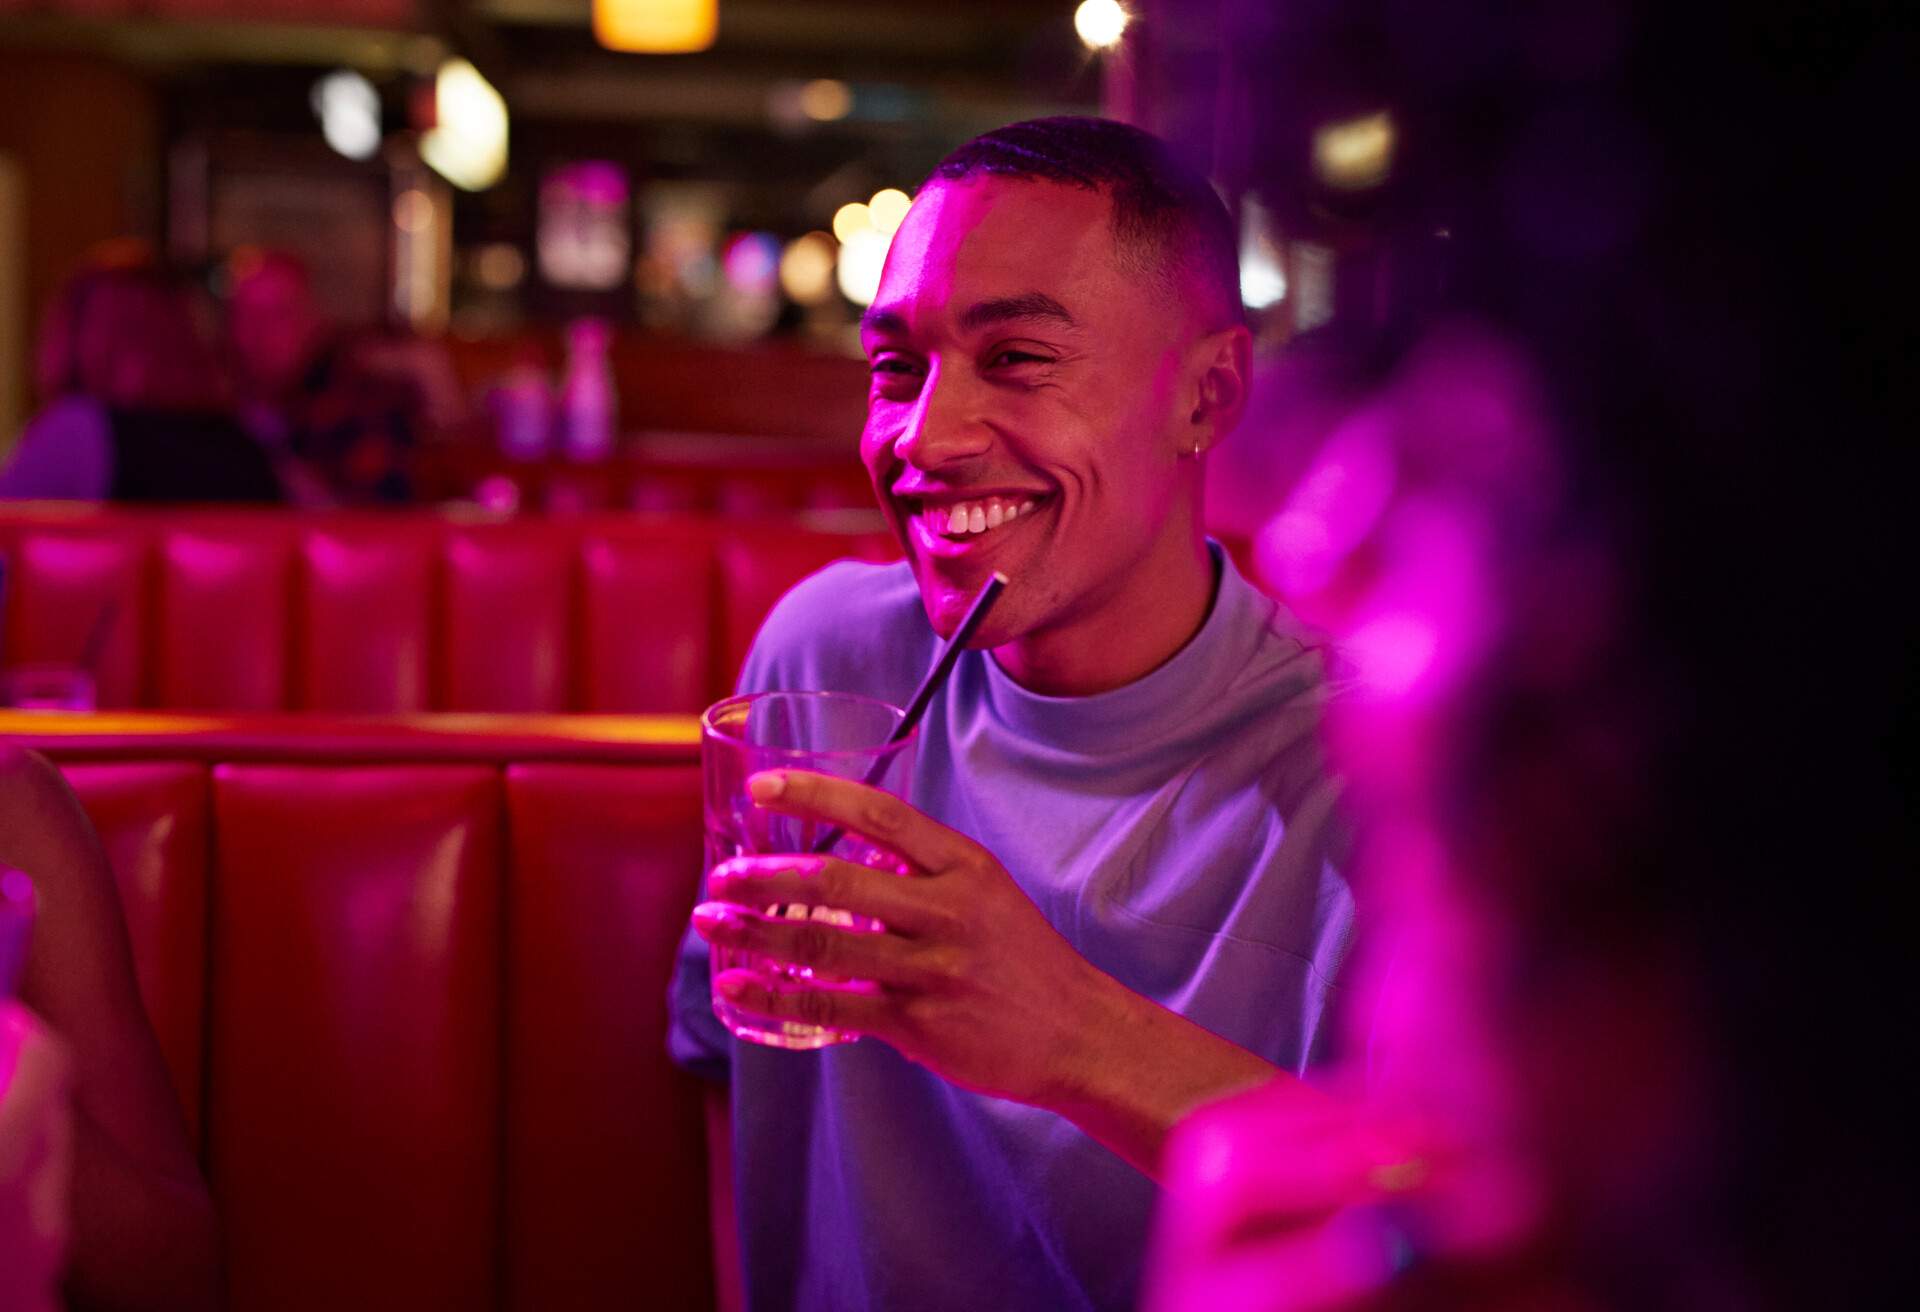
(410, 983)
(263, 611)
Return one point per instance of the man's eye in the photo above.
(893, 364)
(1020, 358)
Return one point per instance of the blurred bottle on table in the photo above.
(588, 406)
(522, 405)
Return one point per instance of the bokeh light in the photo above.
(887, 209)
(412, 210)
(849, 219)
(1355, 154)
(656, 27)
(1100, 23)
(825, 100)
(349, 112)
(806, 268)
(1263, 275)
(861, 257)
(499, 266)
(468, 143)
(752, 263)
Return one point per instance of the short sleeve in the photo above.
(696, 1040)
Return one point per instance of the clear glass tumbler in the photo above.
(47, 688)
(835, 733)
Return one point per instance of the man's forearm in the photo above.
(1140, 1069)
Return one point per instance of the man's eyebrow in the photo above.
(881, 320)
(1011, 309)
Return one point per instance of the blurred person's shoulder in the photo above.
(65, 453)
(853, 626)
(38, 810)
(23, 771)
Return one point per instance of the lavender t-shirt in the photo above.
(1177, 831)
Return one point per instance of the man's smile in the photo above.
(951, 525)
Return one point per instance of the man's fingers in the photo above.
(759, 882)
(853, 1008)
(866, 811)
(828, 949)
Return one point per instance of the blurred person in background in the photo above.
(1632, 721)
(135, 408)
(346, 410)
(142, 1235)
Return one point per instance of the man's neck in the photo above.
(1166, 603)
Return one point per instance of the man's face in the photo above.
(1021, 415)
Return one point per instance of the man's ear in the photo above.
(1220, 367)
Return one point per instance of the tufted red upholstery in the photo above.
(758, 563)
(602, 1136)
(423, 967)
(647, 636)
(238, 611)
(355, 1077)
(61, 582)
(364, 631)
(223, 616)
(512, 581)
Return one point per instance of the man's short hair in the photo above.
(1167, 219)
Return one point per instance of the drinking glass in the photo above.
(47, 688)
(835, 733)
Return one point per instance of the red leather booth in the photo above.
(404, 613)
(409, 977)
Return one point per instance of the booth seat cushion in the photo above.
(239, 612)
(758, 565)
(647, 625)
(507, 627)
(364, 638)
(68, 582)
(223, 617)
(605, 1154)
(423, 967)
(355, 1033)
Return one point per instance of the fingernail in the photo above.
(713, 913)
(767, 785)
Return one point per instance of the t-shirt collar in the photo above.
(1153, 705)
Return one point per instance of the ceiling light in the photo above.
(468, 142)
(656, 27)
(1100, 23)
(349, 111)
(1354, 154)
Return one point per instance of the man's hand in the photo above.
(967, 977)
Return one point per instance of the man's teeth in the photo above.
(978, 516)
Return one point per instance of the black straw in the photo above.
(935, 680)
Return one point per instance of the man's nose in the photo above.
(945, 424)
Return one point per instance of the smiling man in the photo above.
(1120, 900)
